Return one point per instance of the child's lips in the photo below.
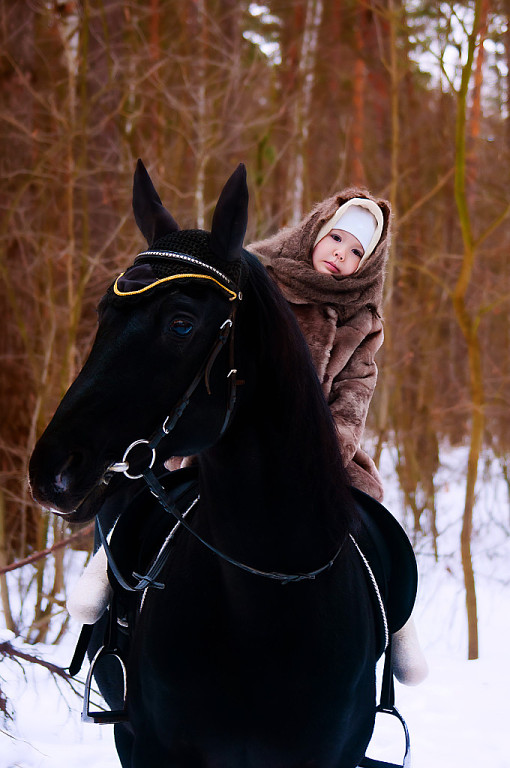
(332, 266)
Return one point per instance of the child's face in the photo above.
(338, 253)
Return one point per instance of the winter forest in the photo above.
(408, 98)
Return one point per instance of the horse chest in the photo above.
(206, 674)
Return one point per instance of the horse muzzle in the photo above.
(62, 485)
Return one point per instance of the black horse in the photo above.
(261, 653)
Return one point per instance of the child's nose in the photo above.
(339, 252)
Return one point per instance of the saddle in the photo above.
(387, 548)
(391, 558)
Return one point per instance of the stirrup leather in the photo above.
(387, 707)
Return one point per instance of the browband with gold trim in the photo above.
(118, 292)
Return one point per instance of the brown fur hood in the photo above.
(288, 255)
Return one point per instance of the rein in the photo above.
(149, 579)
(285, 578)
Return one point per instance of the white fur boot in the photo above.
(409, 664)
(91, 595)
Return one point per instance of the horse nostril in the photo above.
(64, 477)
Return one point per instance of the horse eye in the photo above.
(181, 327)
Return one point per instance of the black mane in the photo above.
(280, 351)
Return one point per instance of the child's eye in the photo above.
(357, 253)
(337, 238)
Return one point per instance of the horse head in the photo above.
(162, 324)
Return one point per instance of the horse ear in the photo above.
(230, 217)
(151, 216)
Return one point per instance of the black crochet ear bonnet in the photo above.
(183, 256)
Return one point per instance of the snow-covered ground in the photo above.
(457, 718)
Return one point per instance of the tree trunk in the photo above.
(476, 109)
(303, 105)
(4, 591)
(469, 328)
(388, 384)
(201, 111)
(358, 98)
(506, 39)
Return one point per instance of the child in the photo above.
(330, 267)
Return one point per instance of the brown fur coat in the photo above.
(340, 318)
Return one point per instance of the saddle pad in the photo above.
(387, 548)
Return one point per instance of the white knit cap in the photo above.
(362, 218)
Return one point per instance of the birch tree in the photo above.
(303, 106)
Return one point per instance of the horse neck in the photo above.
(272, 481)
(276, 473)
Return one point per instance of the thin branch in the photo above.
(7, 649)
(425, 198)
(430, 273)
(487, 308)
(45, 552)
(492, 227)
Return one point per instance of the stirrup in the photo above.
(369, 762)
(104, 717)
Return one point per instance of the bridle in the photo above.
(226, 332)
